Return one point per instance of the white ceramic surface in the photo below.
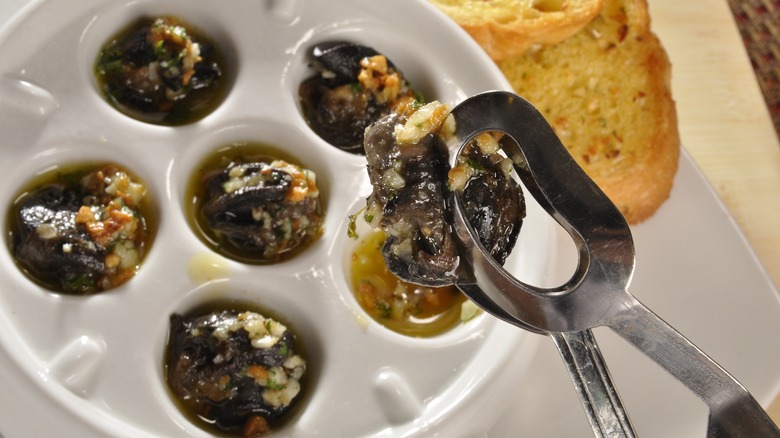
(693, 268)
(95, 363)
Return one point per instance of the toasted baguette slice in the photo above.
(507, 28)
(606, 92)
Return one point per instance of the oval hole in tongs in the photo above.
(562, 189)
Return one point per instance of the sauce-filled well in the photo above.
(235, 370)
(252, 203)
(161, 70)
(81, 229)
(403, 307)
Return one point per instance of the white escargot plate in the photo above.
(95, 363)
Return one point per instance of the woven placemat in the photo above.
(759, 23)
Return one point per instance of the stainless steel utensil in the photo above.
(586, 366)
(584, 363)
(597, 293)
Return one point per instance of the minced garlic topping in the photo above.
(377, 77)
(488, 144)
(263, 332)
(280, 383)
(429, 118)
(303, 182)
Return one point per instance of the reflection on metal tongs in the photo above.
(597, 293)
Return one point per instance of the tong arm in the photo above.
(734, 412)
(586, 367)
(589, 373)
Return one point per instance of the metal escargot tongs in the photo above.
(597, 293)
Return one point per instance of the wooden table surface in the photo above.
(724, 121)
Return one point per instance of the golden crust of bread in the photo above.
(506, 28)
(641, 189)
(606, 91)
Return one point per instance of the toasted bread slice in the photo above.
(507, 28)
(606, 91)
